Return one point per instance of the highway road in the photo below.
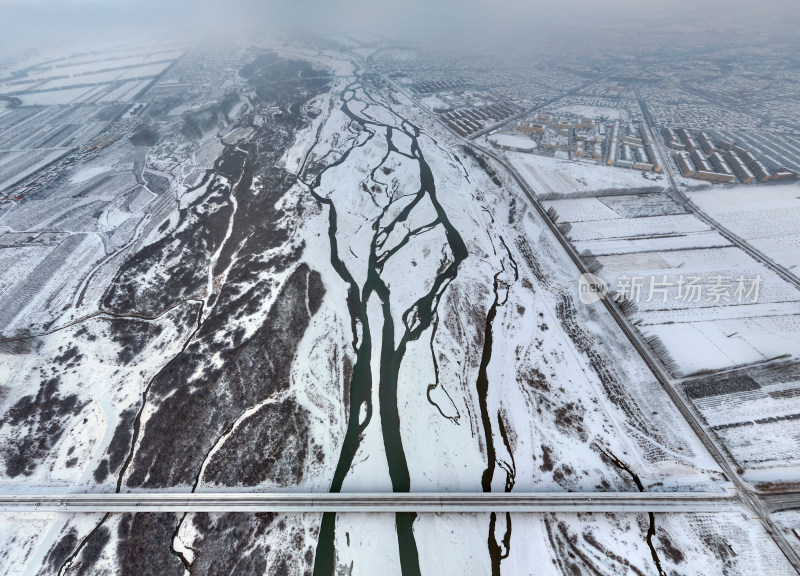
(742, 499)
(734, 239)
(749, 497)
(527, 111)
(621, 502)
(709, 440)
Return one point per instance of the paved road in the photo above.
(752, 500)
(734, 239)
(708, 439)
(632, 502)
(527, 111)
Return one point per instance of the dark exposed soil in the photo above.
(193, 411)
(62, 549)
(174, 267)
(36, 423)
(132, 335)
(196, 401)
(118, 448)
(143, 545)
(271, 444)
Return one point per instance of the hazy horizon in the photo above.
(470, 24)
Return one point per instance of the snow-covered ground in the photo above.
(371, 312)
(88, 77)
(767, 217)
(552, 378)
(542, 384)
(554, 177)
(789, 522)
(448, 544)
(754, 411)
(651, 242)
(595, 111)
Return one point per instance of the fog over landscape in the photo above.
(346, 288)
(445, 23)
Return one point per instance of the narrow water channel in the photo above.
(415, 320)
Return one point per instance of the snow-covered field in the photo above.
(755, 412)
(789, 523)
(84, 78)
(22, 164)
(767, 217)
(595, 111)
(554, 177)
(555, 544)
(649, 242)
(649, 248)
(346, 301)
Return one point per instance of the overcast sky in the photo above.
(458, 22)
